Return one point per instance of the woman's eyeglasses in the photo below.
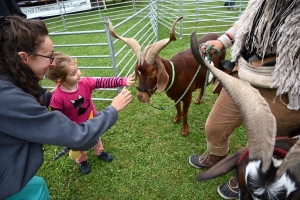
(50, 57)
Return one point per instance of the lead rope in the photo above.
(160, 108)
(209, 60)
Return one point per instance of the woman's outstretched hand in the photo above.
(122, 100)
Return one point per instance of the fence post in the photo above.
(62, 14)
(181, 21)
(111, 48)
(197, 10)
(156, 19)
(134, 6)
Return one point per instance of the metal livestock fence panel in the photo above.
(85, 35)
(97, 53)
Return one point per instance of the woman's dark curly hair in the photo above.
(19, 34)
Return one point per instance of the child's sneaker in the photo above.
(106, 156)
(84, 167)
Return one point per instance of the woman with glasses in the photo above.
(26, 53)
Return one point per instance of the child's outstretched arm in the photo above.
(130, 79)
(110, 82)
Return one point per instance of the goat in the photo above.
(260, 175)
(172, 76)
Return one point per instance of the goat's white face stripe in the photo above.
(277, 162)
(285, 183)
(252, 170)
(139, 72)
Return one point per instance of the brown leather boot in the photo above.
(205, 161)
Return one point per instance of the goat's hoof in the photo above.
(198, 101)
(175, 120)
(185, 133)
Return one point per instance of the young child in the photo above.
(73, 97)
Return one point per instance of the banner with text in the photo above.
(53, 9)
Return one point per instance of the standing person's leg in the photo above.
(232, 2)
(35, 189)
(98, 149)
(226, 5)
(221, 122)
(84, 166)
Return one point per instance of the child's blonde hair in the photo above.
(59, 71)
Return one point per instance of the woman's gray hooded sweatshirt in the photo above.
(25, 125)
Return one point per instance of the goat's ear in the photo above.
(162, 77)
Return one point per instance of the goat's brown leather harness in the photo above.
(150, 91)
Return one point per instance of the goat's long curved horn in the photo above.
(152, 51)
(259, 121)
(291, 162)
(134, 44)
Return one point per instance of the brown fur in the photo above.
(185, 68)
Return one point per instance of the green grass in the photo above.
(150, 155)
